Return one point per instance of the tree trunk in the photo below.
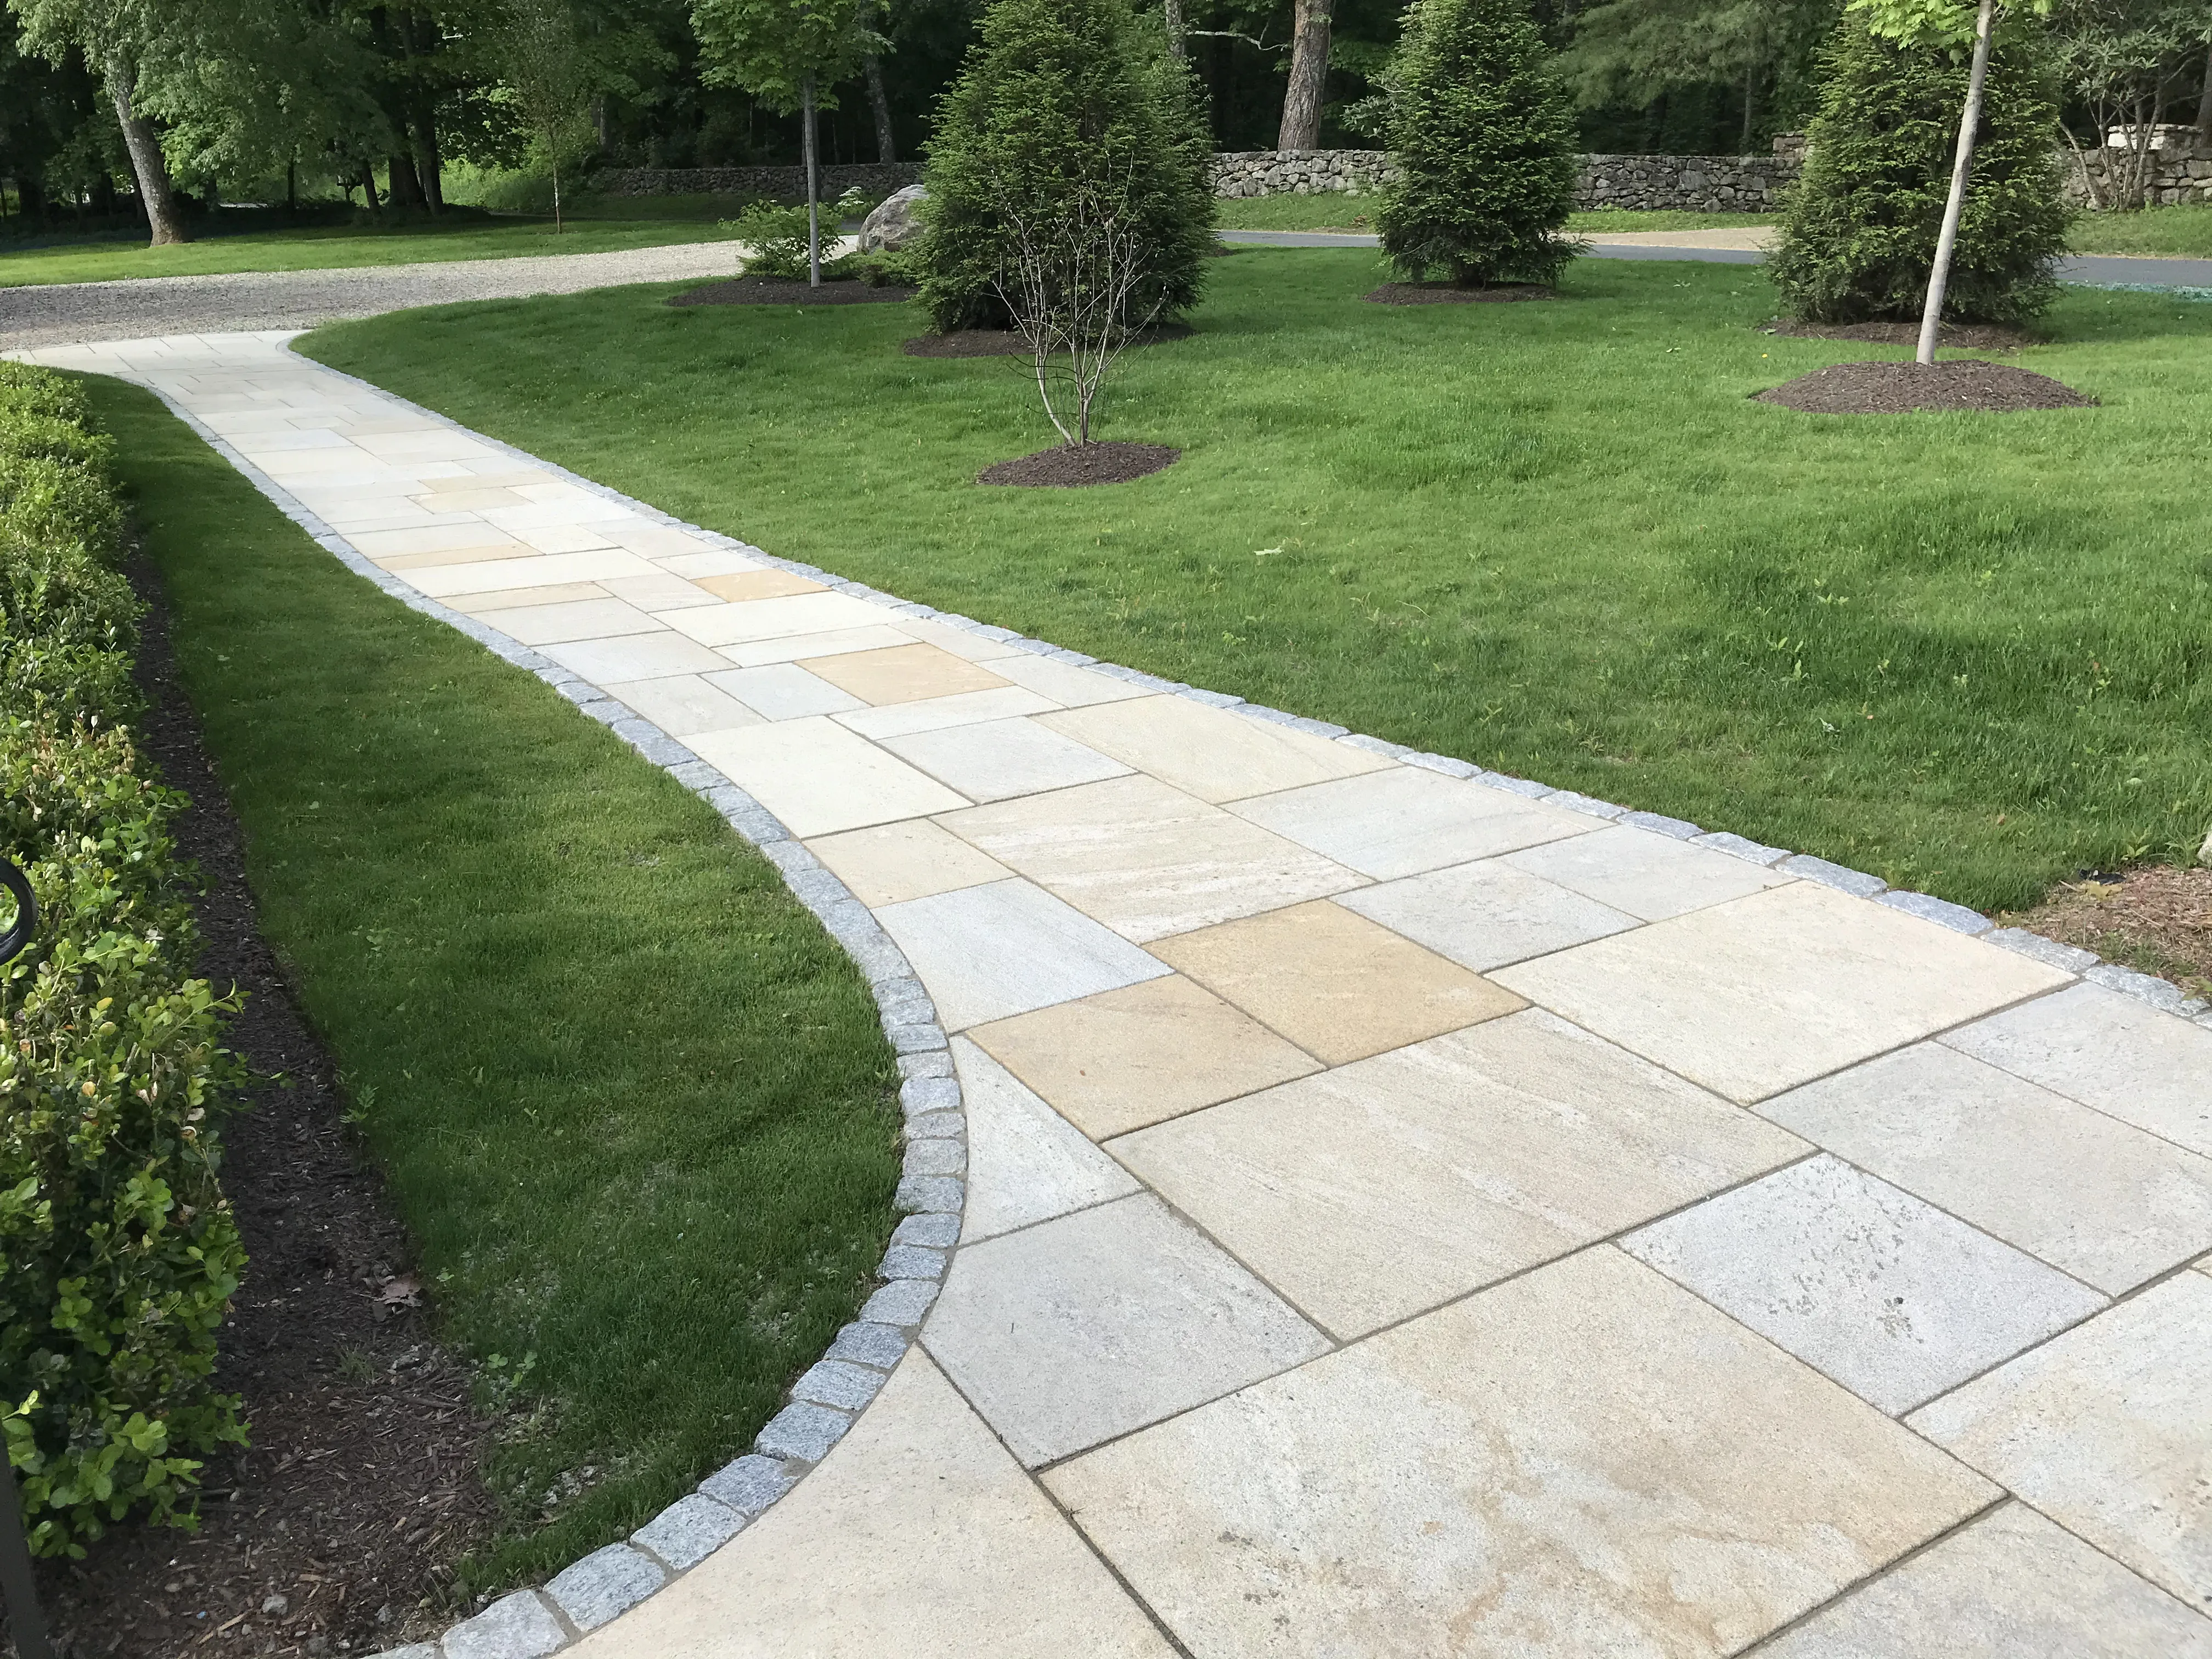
(164, 224)
(291, 187)
(556, 196)
(2204, 107)
(813, 183)
(1301, 128)
(886, 140)
(403, 186)
(368, 189)
(429, 161)
(1939, 276)
(1171, 15)
(1750, 99)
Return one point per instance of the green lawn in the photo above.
(1357, 213)
(633, 1103)
(2167, 232)
(1968, 653)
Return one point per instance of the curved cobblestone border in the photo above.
(531, 1624)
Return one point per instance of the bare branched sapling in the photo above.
(1070, 282)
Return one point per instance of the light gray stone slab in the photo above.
(517, 1627)
(2108, 1430)
(901, 1302)
(2103, 1200)
(881, 1345)
(2109, 1051)
(1856, 883)
(1486, 915)
(998, 760)
(1646, 875)
(803, 1431)
(606, 1582)
(1941, 911)
(751, 1483)
(1585, 1461)
(1026, 1163)
(1406, 820)
(835, 1383)
(1887, 1295)
(2043, 949)
(2010, 1585)
(935, 1232)
(1086, 1326)
(1659, 824)
(2162, 994)
(689, 1530)
(1009, 946)
(1741, 847)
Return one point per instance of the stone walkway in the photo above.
(1410, 1211)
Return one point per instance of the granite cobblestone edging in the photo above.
(530, 1624)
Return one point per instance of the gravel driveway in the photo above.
(64, 313)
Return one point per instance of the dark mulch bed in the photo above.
(1070, 468)
(1964, 337)
(780, 291)
(2156, 918)
(1005, 342)
(1893, 388)
(336, 1527)
(1451, 293)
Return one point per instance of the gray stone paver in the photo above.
(1082, 1309)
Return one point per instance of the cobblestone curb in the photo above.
(529, 1623)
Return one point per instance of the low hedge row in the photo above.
(118, 1252)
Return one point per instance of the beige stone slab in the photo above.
(907, 673)
(2108, 1051)
(482, 604)
(471, 501)
(683, 705)
(794, 614)
(1145, 859)
(2106, 1202)
(686, 556)
(899, 720)
(1761, 993)
(757, 583)
(783, 691)
(1584, 1461)
(1338, 986)
(631, 657)
(1369, 1193)
(1026, 1163)
(818, 777)
(429, 538)
(2010, 1585)
(490, 478)
(999, 760)
(1405, 820)
(563, 538)
(2108, 1429)
(758, 653)
(1085, 1326)
(957, 641)
(440, 444)
(470, 556)
(659, 592)
(541, 571)
(1486, 914)
(1210, 753)
(1650, 876)
(1064, 683)
(1124, 1059)
(918, 1536)
(913, 858)
(574, 619)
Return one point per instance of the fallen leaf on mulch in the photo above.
(404, 1292)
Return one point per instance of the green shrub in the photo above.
(778, 235)
(1858, 230)
(1484, 141)
(1055, 94)
(118, 1254)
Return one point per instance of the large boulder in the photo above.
(895, 225)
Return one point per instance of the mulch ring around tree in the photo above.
(1451, 293)
(1006, 342)
(1962, 337)
(336, 1530)
(1070, 466)
(784, 291)
(1895, 388)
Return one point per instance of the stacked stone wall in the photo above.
(1707, 184)
(2179, 175)
(871, 177)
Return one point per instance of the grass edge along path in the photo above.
(1965, 653)
(632, 1103)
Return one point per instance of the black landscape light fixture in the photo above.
(25, 1622)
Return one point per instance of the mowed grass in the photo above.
(602, 225)
(632, 1103)
(1357, 213)
(1969, 652)
(2159, 232)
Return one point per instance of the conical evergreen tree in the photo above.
(1485, 141)
(1858, 231)
(1052, 94)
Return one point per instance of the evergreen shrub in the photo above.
(118, 1252)
(1858, 230)
(1056, 94)
(1484, 139)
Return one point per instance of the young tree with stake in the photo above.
(787, 54)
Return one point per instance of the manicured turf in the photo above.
(1966, 652)
(633, 1103)
(2162, 232)
(1357, 213)
(597, 225)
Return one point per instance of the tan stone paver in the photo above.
(1296, 1259)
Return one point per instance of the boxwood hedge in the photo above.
(118, 1252)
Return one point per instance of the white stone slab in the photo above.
(1064, 683)
(1026, 1163)
(681, 705)
(783, 691)
(898, 720)
(1405, 820)
(632, 657)
(780, 619)
(1209, 752)
(1487, 915)
(998, 760)
(818, 777)
(580, 619)
(1651, 877)
(799, 646)
(543, 570)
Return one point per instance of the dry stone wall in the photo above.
(2180, 174)
(1709, 184)
(870, 178)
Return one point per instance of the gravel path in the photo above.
(249, 301)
